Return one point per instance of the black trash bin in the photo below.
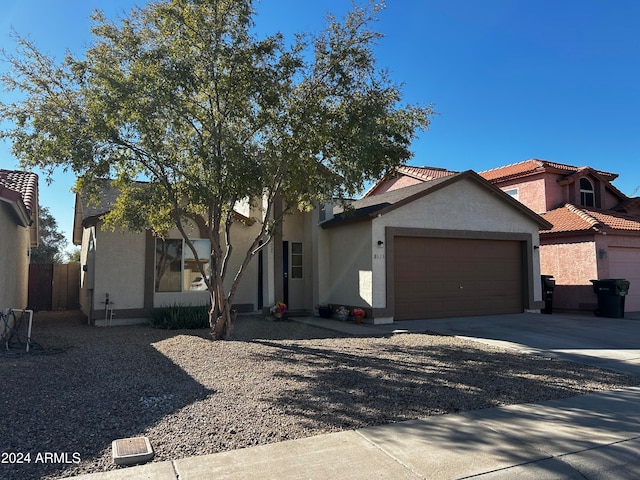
(548, 284)
(611, 293)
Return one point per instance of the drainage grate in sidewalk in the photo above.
(127, 451)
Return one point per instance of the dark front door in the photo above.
(285, 272)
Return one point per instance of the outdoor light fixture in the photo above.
(380, 243)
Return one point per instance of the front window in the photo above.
(587, 195)
(296, 260)
(176, 265)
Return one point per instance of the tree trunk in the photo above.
(221, 325)
(221, 317)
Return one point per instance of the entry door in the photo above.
(285, 272)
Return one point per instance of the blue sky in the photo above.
(511, 80)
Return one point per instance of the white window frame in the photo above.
(513, 192)
(585, 193)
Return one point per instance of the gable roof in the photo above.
(88, 213)
(20, 190)
(535, 166)
(422, 174)
(425, 173)
(372, 206)
(573, 219)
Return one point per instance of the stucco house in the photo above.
(595, 233)
(18, 234)
(481, 247)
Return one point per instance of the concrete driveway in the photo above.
(603, 342)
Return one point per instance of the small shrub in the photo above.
(175, 317)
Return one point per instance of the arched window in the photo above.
(587, 195)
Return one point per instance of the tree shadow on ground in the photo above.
(351, 388)
(94, 391)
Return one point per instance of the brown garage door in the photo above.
(449, 277)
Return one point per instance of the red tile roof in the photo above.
(425, 173)
(534, 166)
(421, 174)
(571, 218)
(22, 184)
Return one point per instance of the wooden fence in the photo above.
(54, 286)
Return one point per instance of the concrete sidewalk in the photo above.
(590, 436)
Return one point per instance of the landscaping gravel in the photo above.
(65, 403)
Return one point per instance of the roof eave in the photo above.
(19, 210)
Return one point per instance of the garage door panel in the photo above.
(440, 277)
(624, 262)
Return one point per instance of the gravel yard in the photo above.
(272, 382)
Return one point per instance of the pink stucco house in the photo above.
(596, 228)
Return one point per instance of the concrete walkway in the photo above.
(594, 436)
(591, 436)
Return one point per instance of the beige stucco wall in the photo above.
(116, 264)
(241, 237)
(461, 206)
(349, 277)
(14, 261)
(247, 292)
(119, 269)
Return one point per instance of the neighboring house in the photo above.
(454, 245)
(18, 233)
(596, 228)
(405, 176)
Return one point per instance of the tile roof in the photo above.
(570, 218)
(422, 174)
(425, 173)
(24, 184)
(629, 205)
(533, 166)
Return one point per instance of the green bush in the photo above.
(176, 317)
